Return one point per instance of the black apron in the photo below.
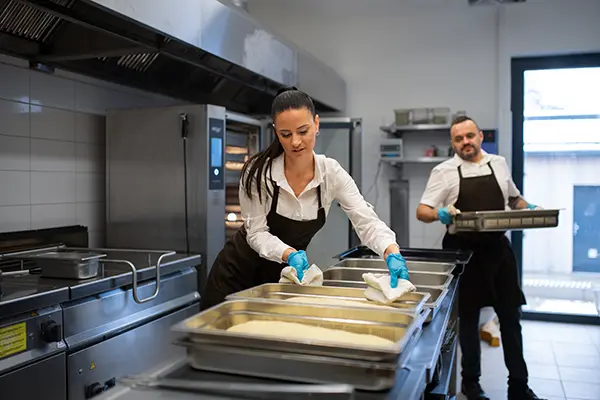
(238, 267)
(490, 278)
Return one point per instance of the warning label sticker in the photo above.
(13, 339)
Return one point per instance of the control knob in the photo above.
(51, 331)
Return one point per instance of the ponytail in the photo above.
(259, 166)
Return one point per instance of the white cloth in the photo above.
(380, 291)
(313, 276)
(336, 184)
(443, 184)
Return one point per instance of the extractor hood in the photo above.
(200, 51)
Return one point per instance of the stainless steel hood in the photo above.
(200, 51)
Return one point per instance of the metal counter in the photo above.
(416, 376)
(85, 334)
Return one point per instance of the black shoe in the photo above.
(522, 394)
(473, 391)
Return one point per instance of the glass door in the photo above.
(556, 158)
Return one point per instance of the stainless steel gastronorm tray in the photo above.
(355, 275)
(64, 264)
(210, 327)
(437, 295)
(493, 221)
(413, 266)
(281, 292)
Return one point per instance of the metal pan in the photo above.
(211, 326)
(410, 302)
(498, 221)
(355, 275)
(272, 364)
(413, 266)
(413, 254)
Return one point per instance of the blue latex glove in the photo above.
(299, 262)
(397, 266)
(531, 206)
(444, 216)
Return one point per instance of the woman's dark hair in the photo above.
(260, 164)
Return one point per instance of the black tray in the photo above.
(433, 255)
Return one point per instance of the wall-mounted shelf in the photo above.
(399, 129)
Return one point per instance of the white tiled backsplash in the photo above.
(52, 152)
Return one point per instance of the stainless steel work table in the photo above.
(413, 381)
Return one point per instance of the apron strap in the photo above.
(275, 197)
(460, 175)
(319, 196)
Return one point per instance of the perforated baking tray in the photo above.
(498, 221)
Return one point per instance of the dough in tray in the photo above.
(339, 302)
(292, 330)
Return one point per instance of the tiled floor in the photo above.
(563, 362)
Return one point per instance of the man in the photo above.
(474, 180)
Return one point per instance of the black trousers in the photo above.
(512, 344)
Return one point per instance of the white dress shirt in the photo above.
(336, 184)
(444, 182)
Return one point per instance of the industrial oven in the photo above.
(173, 176)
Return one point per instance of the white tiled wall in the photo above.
(52, 147)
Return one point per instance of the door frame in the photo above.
(354, 127)
(518, 67)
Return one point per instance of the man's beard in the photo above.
(469, 156)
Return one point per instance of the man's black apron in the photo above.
(490, 278)
(239, 267)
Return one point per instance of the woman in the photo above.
(285, 193)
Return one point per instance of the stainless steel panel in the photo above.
(334, 141)
(126, 354)
(39, 340)
(182, 19)
(41, 380)
(211, 326)
(96, 318)
(399, 211)
(237, 37)
(413, 266)
(355, 275)
(410, 302)
(214, 209)
(321, 81)
(146, 180)
(292, 367)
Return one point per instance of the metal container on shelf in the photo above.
(421, 116)
(210, 327)
(440, 116)
(354, 275)
(288, 293)
(403, 117)
(413, 266)
(498, 221)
